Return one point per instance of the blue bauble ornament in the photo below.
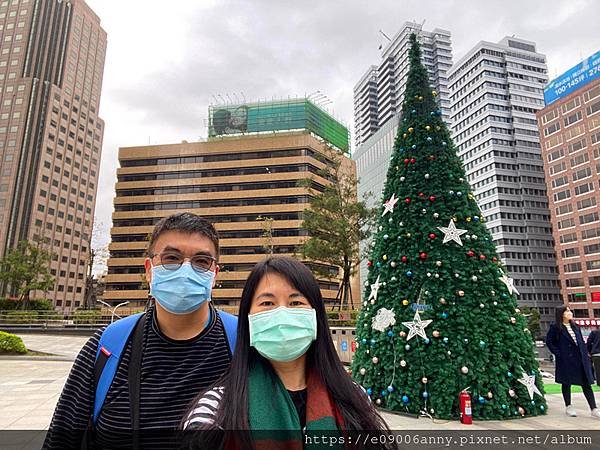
(481, 344)
(373, 341)
(425, 394)
(426, 340)
(363, 341)
(444, 144)
(459, 193)
(451, 192)
(390, 333)
(445, 340)
(405, 399)
(378, 264)
(481, 400)
(432, 113)
(414, 111)
(429, 139)
(444, 315)
(414, 147)
(542, 408)
(407, 347)
(386, 237)
(369, 391)
(383, 393)
(390, 388)
(504, 406)
(409, 274)
(475, 218)
(509, 374)
(504, 296)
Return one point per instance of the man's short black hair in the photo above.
(186, 223)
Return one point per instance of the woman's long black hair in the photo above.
(354, 405)
(558, 315)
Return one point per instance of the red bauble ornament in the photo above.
(494, 259)
(404, 259)
(471, 253)
(421, 194)
(432, 198)
(423, 255)
(413, 160)
(406, 161)
(482, 257)
(432, 236)
(407, 200)
(369, 263)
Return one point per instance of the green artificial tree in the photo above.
(440, 313)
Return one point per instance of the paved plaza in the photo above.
(30, 387)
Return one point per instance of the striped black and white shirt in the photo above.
(172, 375)
(205, 411)
(571, 332)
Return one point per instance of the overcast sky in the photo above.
(166, 60)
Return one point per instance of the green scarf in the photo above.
(270, 407)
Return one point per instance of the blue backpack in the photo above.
(113, 342)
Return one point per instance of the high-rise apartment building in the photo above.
(495, 92)
(248, 171)
(379, 93)
(51, 67)
(570, 137)
(378, 100)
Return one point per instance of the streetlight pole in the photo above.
(114, 310)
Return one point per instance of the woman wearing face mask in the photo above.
(285, 374)
(573, 364)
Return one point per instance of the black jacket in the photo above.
(593, 342)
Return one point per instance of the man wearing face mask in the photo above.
(177, 348)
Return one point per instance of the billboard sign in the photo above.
(574, 78)
(284, 115)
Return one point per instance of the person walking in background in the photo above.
(593, 346)
(573, 365)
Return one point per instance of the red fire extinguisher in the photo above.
(464, 398)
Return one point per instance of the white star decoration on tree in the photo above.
(451, 233)
(375, 289)
(416, 327)
(510, 284)
(389, 205)
(384, 318)
(529, 382)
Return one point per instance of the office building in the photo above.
(248, 170)
(51, 68)
(570, 137)
(495, 92)
(378, 97)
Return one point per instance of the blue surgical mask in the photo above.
(283, 334)
(181, 291)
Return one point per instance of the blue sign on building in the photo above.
(584, 72)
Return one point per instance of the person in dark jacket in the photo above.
(573, 365)
(593, 346)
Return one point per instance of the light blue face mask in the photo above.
(181, 291)
(283, 334)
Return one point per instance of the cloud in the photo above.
(165, 64)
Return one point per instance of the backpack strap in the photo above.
(230, 323)
(111, 345)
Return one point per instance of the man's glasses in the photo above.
(174, 260)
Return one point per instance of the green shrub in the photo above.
(20, 317)
(87, 316)
(10, 343)
(37, 304)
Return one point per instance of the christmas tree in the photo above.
(440, 314)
